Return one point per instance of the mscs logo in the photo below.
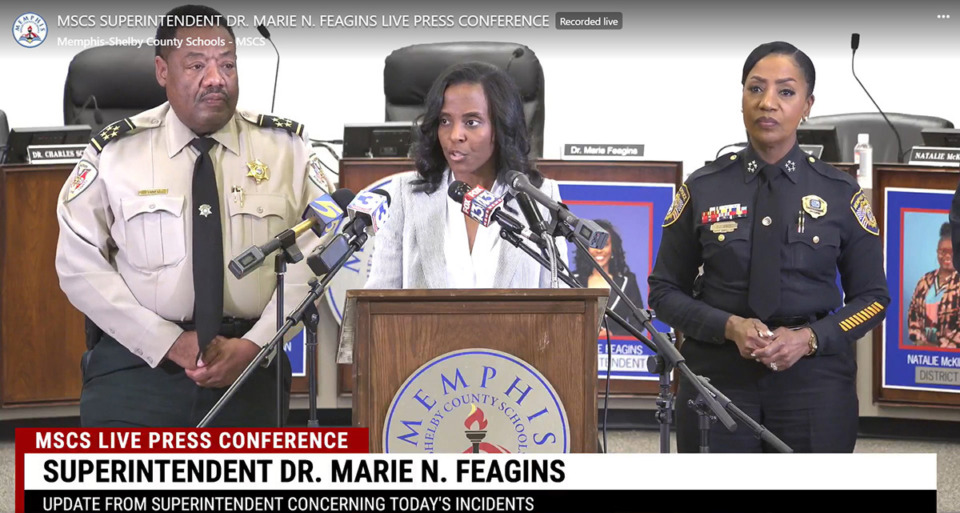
(30, 30)
(476, 401)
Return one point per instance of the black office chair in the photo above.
(409, 72)
(882, 138)
(120, 80)
(4, 133)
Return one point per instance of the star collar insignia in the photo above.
(109, 132)
(752, 166)
(790, 166)
(258, 171)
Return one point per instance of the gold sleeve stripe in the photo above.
(861, 317)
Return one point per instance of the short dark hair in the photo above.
(200, 15)
(618, 257)
(945, 232)
(781, 48)
(506, 112)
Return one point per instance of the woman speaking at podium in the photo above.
(473, 130)
(771, 227)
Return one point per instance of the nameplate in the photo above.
(815, 150)
(603, 151)
(55, 153)
(931, 156)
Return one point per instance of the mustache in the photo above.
(214, 90)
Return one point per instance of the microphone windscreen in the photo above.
(263, 31)
(854, 41)
(343, 197)
(458, 190)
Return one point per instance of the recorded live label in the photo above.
(589, 20)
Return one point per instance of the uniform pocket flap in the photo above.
(815, 238)
(141, 205)
(260, 205)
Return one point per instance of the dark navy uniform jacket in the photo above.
(829, 227)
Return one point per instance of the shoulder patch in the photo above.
(680, 201)
(111, 132)
(316, 174)
(266, 121)
(861, 209)
(85, 174)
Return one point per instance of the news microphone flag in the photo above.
(480, 204)
(326, 213)
(371, 207)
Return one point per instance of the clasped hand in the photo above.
(220, 365)
(778, 350)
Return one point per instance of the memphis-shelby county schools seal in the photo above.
(473, 401)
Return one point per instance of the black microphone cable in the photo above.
(854, 45)
(276, 74)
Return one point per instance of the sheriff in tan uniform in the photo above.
(124, 254)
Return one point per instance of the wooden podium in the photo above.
(392, 333)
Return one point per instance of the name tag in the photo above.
(55, 153)
(932, 156)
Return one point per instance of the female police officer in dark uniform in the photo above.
(771, 227)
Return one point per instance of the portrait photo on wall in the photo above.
(632, 213)
(921, 334)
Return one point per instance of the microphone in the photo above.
(97, 116)
(589, 232)
(854, 45)
(484, 207)
(276, 74)
(517, 53)
(323, 216)
(368, 212)
(532, 214)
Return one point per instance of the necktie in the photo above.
(764, 292)
(207, 247)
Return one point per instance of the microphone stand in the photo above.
(672, 357)
(708, 404)
(289, 253)
(665, 398)
(295, 317)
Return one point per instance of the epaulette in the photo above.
(682, 197)
(831, 172)
(112, 131)
(265, 121)
(723, 162)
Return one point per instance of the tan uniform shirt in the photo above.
(124, 255)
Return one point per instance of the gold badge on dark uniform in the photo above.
(258, 171)
(815, 206)
(723, 227)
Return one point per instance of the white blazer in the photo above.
(409, 252)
